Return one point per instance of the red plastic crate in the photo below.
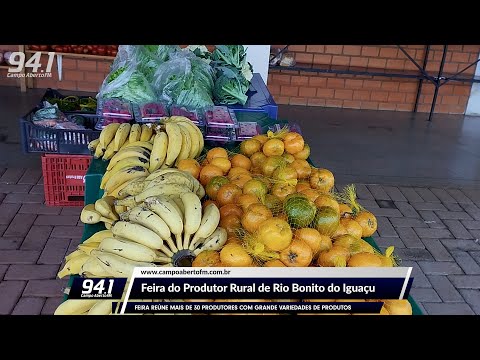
(64, 179)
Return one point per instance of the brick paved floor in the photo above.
(434, 230)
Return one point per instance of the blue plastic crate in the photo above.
(259, 99)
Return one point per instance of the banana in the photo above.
(147, 218)
(75, 306)
(178, 201)
(192, 216)
(104, 206)
(109, 151)
(120, 209)
(131, 250)
(137, 233)
(98, 151)
(186, 145)
(87, 248)
(107, 134)
(143, 144)
(117, 191)
(124, 175)
(167, 189)
(73, 266)
(168, 211)
(92, 145)
(210, 221)
(98, 237)
(102, 307)
(133, 188)
(135, 133)
(90, 216)
(121, 136)
(193, 138)
(172, 178)
(174, 143)
(128, 153)
(159, 151)
(93, 268)
(147, 131)
(201, 190)
(160, 172)
(188, 122)
(122, 164)
(74, 254)
(118, 266)
(152, 138)
(213, 242)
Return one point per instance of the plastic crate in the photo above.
(64, 179)
(39, 139)
(259, 99)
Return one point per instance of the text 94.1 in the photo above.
(102, 287)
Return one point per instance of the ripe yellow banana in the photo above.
(135, 133)
(168, 211)
(195, 142)
(147, 145)
(172, 178)
(92, 145)
(87, 248)
(147, 131)
(188, 122)
(128, 153)
(118, 266)
(122, 164)
(104, 206)
(147, 218)
(210, 221)
(167, 189)
(90, 216)
(73, 266)
(125, 175)
(159, 151)
(116, 192)
(109, 151)
(186, 145)
(137, 233)
(121, 136)
(93, 268)
(178, 201)
(159, 172)
(102, 307)
(98, 151)
(98, 237)
(174, 143)
(75, 306)
(108, 134)
(213, 242)
(133, 188)
(131, 250)
(192, 216)
(120, 209)
(74, 254)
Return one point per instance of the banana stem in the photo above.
(178, 237)
(163, 259)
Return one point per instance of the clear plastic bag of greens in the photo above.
(171, 78)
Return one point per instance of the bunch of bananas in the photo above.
(151, 146)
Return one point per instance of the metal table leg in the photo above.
(420, 82)
(437, 82)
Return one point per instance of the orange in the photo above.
(303, 185)
(274, 204)
(208, 172)
(234, 255)
(302, 167)
(207, 258)
(250, 147)
(230, 209)
(204, 162)
(265, 180)
(294, 142)
(228, 194)
(303, 154)
(282, 190)
(222, 163)
(245, 200)
(352, 227)
(322, 179)
(256, 171)
(273, 147)
(255, 215)
(255, 187)
(217, 152)
(233, 240)
(258, 159)
(289, 158)
(234, 171)
(191, 166)
(327, 200)
(274, 263)
(214, 184)
(271, 164)
(314, 239)
(241, 179)
(242, 161)
(208, 202)
(367, 221)
(262, 138)
(345, 210)
(275, 234)
(230, 223)
(297, 254)
(312, 194)
(285, 173)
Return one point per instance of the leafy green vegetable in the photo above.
(136, 89)
(113, 75)
(230, 87)
(233, 55)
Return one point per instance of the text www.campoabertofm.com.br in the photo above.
(184, 271)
